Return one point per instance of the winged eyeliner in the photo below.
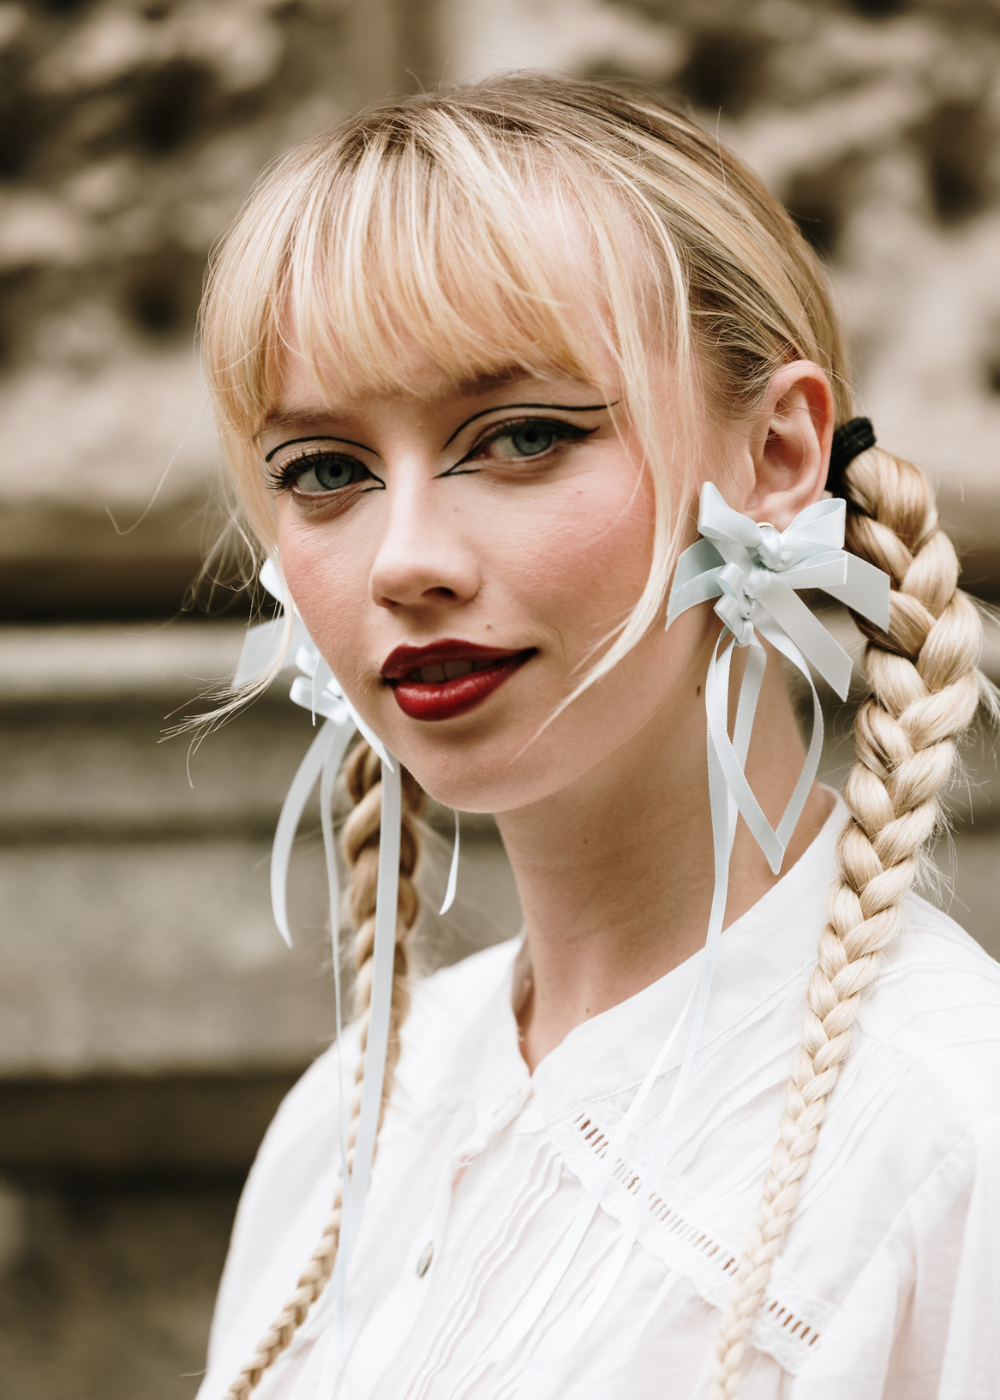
(499, 408)
(329, 437)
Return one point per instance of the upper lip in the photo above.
(399, 663)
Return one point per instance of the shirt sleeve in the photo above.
(970, 1367)
(922, 1321)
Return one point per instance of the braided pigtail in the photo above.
(359, 844)
(925, 693)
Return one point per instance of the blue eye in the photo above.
(323, 472)
(531, 437)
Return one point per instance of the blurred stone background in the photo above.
(150, 1018)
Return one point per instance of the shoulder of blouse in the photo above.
(937, 1008)
(446, 1006)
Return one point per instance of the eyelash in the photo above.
(564, 432)
(284, 477)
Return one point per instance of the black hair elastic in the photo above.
(849, 441)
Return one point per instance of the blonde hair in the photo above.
(403, 233)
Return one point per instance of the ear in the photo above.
(789, 444)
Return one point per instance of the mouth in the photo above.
(448, 678)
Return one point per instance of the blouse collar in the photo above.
(768, 948)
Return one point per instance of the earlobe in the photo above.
(791, 444)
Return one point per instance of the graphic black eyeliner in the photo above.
(285, 478)
(568, 432)
(500, 408)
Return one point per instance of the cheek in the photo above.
(327, 572)
(588, 556)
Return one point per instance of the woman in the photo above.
(475, 357)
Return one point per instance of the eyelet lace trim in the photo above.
(693, 1240)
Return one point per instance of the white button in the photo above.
(426, 1255)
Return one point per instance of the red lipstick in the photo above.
(449, 677)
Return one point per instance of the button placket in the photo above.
(509, 1108)
(454, 1167)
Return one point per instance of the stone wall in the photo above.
(150, 1018)
(130, 135)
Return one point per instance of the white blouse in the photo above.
(888, 1284)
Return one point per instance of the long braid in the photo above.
(925, 692)
(359, 843)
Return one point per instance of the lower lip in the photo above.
(432, 700)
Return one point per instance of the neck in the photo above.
(616, 873)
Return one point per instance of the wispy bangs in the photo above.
(402, 260)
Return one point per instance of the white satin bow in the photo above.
(753, 570)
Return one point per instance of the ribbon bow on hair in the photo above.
(756, 568)
(753, 570)
(318, 691)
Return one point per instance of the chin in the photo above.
(467, 786)
(488, 777)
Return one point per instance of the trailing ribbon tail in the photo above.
(298, 795)
(449, 894)
(753, 571)
(331, 766)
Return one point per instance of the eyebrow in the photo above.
(321, 437)
(293, 418)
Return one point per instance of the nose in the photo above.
(423, 559)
